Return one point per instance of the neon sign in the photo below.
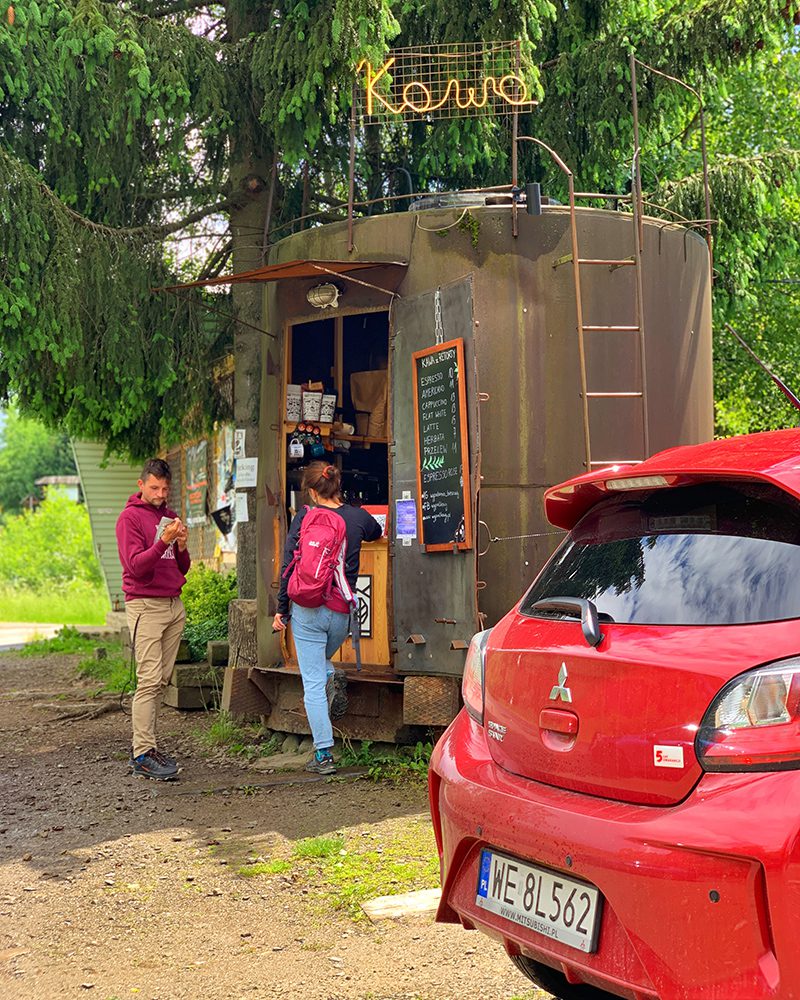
(444, 82)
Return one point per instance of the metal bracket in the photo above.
(566, 259)
(416, 639)
(459, 644)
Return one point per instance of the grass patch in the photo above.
(277, 867)
(363, 867)
(400, 764)
(72, 604)
(67, 640)
(112, 673)
(242, 740)
(318, 847)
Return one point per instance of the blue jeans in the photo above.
(318, 633)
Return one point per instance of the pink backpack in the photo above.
(316, 572)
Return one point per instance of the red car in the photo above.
(618, 802)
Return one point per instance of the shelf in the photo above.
(360, 439)
(325, 430)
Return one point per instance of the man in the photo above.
(155, 561)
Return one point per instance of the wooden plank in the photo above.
(422, 903)
(374, 563)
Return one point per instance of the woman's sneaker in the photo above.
(321, 763)
(156, 766)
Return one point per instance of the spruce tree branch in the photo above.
(178, 8)
(154, 232)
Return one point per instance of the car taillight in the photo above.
(754, 722)
(472, 683)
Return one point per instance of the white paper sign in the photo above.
(241, 510)
(238, 443)
(246, 472)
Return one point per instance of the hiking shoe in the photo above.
(161, 757)
(321, 763)
(154, 765)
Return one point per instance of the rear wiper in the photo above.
(577, 607)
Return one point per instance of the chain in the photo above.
(516, 538)
(437, 310)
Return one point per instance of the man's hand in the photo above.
(183, 538)
(278, 624)
(172, 531)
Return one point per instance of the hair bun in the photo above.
(329, 471)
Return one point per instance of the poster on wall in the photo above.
(196, 480)
(225, 450)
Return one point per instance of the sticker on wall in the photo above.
(238, 442)
(406, 520)
(664, 756)
(364, 596)
(241, 510)
(246, 473)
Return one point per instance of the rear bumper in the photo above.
(735, 839)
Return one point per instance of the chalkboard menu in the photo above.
(440, 416)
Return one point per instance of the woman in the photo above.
(319, 632)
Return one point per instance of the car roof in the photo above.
(771, 456)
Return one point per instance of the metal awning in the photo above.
(296, 269)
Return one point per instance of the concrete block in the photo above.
(196, 675)
(190, 698)
(217, 653)
(184, 656)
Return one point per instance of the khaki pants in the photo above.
(156, 624)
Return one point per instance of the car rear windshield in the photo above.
(721, 554)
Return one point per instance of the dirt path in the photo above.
(114, 887)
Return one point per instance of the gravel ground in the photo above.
(114, 887)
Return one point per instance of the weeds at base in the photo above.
(404, 764)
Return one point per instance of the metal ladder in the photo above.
(637, 329)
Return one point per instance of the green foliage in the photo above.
(75, 603)
(27, 452)
(277, 867)
(120, 121)
(747, 399)
(318, 847)
(50, 547)
(399, 764)
(206, 596)
(356, 869)
(67, 640)
(95, 105)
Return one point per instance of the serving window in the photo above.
(335, 408)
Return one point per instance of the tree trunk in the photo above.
(250, 172)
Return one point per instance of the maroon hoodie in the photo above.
(150, 566)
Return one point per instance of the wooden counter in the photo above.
(373, 579)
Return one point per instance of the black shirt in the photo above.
(360, 526)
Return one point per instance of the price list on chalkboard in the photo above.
(442, 446)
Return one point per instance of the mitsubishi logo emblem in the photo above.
(561, 690)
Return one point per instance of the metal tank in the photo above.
(563, 370)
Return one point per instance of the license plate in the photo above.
(544, 901)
